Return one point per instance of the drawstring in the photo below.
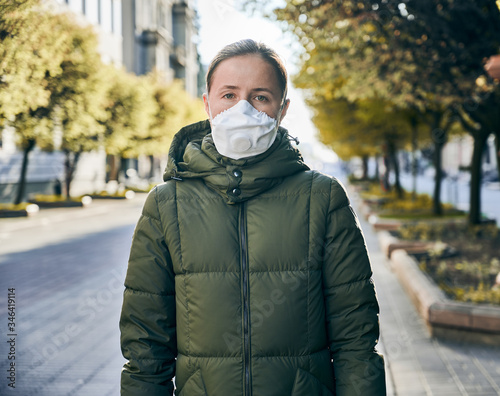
(291, 138)
(175, 177)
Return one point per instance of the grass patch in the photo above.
(54, 198)
(424, 215)
(469, 276)
(10, 206)
(410, 206)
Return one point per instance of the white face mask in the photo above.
(242, 131)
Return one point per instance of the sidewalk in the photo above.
(415, 363)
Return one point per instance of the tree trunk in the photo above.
(70, 163)
(438, 160)
(113, 167)
(122, 170)
(386, 185)
(439, 137)
(152, 165)
(392, 153)
(475, 181)
(385, 182)
(21, 185)
(364, 160)
(377, 171)
(414, 163)
(497, 146)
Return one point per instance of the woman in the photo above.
(248, 272)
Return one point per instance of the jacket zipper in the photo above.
(246, 309)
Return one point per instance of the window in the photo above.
(92, 11)
(106, 15)
(75, 5)
(117, 17)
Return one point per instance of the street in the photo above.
(65, 268)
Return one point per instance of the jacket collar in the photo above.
(193, 155)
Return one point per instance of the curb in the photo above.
(81, 203)
(465, 322)
(30, 210)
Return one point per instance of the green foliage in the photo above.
(129, 111)
(32, 48)
(9, 206)
(468, 281)
(390, 204)
(175, 108)
(52, 79)
(413, 54)
(54, 198)
(434, 231)
(78, 93)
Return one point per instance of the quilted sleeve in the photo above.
(147, 322)
(351, 303)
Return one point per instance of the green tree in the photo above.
(130, 108)
(74, 104)
(175, 109)
(78, 95)
(357, 60)
(32, 46)
(481, 119)
(424, 55)
(32, 127)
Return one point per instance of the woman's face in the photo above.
(247, 77)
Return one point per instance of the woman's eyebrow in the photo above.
(236, 87)
(269, 91)
(229, 87)
(263, 89)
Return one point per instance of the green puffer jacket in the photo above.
(248, 277)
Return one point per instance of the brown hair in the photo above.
(248, 47)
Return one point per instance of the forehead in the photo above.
(245, 70)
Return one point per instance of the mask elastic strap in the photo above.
(289, 137)
(209, 109)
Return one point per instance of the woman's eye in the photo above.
(228, 96)
(261, 98)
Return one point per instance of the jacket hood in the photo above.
(193, 155)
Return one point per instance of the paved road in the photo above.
(67, 267)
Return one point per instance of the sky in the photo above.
(221, 23)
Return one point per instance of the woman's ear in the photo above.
(205, 102)
(284, 110)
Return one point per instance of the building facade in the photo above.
(160, 35)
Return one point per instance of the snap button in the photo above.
(236, 191)
(237, 173)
